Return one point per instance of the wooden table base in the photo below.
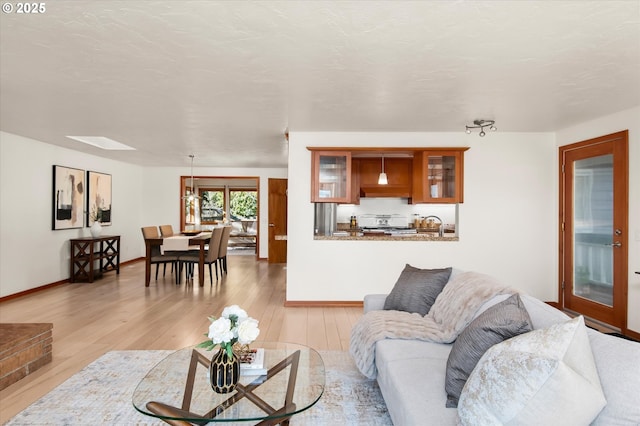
(175, 416)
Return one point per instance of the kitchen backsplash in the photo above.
(389, 206)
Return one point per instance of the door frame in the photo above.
(617, 316)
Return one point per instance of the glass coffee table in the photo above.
(177, 389)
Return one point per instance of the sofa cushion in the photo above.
(411, 379)
(546, 376)
(500, 322)
(618, 364)
(417, 289)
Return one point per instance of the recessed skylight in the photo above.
(102, 142)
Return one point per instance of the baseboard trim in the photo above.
(633, 334)
(54, 284)
(323, 304)
(604, 327)
(32, 290)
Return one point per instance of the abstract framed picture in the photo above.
(99, 198)
(68, 198)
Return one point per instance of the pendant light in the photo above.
(192, 195)
(382, 179)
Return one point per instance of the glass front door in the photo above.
(594, 209)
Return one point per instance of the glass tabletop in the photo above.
(178, 387)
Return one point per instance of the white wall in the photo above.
(31, 254)
(162, 184)
(507, 223)
(625, 120)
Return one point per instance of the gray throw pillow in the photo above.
(500, 322)
(417, 289)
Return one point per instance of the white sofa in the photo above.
(411, 373)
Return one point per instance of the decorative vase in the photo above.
(224, 372)
(96, 229)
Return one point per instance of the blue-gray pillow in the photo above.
(500, 322)
(416, 289)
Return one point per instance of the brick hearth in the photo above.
(23, 349)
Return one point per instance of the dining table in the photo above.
(178, 243)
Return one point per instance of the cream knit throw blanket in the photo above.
(452, 311)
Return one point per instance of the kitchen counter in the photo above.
(385, 237)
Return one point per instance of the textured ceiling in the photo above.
(224, 79)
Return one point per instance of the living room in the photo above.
(508, 223)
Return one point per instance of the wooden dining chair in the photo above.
(191, 258)
(157, 257)
(224, 245)
(166, 231)
(150, 232)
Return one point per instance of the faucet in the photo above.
(440, 227)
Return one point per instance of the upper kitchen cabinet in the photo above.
(438, 175)
(355, 181)
(331, 177)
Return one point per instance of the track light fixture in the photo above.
(481, 124)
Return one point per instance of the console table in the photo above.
(90, 257)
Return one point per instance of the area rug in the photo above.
(100, 394)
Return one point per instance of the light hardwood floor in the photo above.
(118, 313)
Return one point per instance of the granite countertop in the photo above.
(386, 237)
(360, 234)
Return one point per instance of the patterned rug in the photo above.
(100, 394)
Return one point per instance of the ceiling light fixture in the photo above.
(192, 195)
(481, 124)
(382, 179)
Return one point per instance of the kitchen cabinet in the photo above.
(422, 175)
(355, 181)
(438, 176)
(331, 177)
(398, 170)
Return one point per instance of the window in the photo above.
(212, 205)
(243, 204)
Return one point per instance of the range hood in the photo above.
(398, 170)
(387, 191)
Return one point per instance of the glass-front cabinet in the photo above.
(331, 177)
(438, 176)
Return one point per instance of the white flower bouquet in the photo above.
(233, 326)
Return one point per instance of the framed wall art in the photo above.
(68, 198)
(98, 198)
